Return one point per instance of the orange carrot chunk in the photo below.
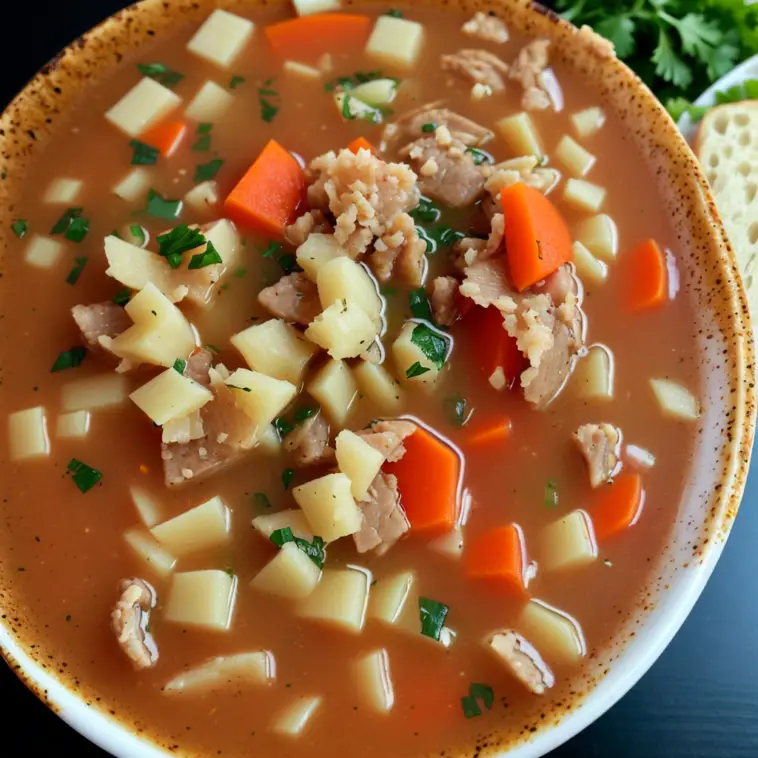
(360, 143)
(498, 555)
(618, 505)
(645, 276)
(537, 240)
(319, 33)
(491, 434)
(494, 348)
(166, 137)
(267, 197)
(428, 477)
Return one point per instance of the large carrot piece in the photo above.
(618, 505)
(494, 347)
(360, 143)
(537, 240)
(645, 276)
(498, 555)
(319, 33)
(267, 197)
(166, 137)
(428, 477)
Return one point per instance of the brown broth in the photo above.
(68, 548)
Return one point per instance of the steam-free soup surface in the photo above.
(504, 523)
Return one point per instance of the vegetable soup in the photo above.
(350, 404)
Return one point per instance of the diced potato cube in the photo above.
(144, 105)
(588, 121)
(276, 349)
(293, 519)
(147, 507)
(291, 722)
(221, 38)
(335, 389)
(73, 425)
(358, 461)
(344, 279)
(301, 70)
(593, 376)
(63, 191)
(317, 250)
(43, 252)
(675, 400)
(378, 385)
(568, 543)
(372, 675)
(554, 633)
(306, 7)
(574, 157)
(209, 104)
(396, 41)
(202, 598)
(150, 552)
(407, 354)
(390, 597)
(95, 393)
(258, 667)
(584, 195)
(134, 185)
(203, 527)
(261, 397)
(170, 396)
(290, 574)
(339, 599)
(599, 235)
(449, 544)
(135, 267)
(329, 506)
(376, 93)
(343, 329)
(520, 135)
(640, 457)
(590, 269)
(27, 434)
(203, 198)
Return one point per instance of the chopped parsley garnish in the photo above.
(426, 211)
(287, 476)
(419, 303)
(281, 536)
(229, 571)
(208, 257)
(432, 344)
(261, 500)
(144, 155)
(315, 550)
(268, 109)
(388, 291)
(235, 387)
(203, 144)
(206, 171)
(416, 369)
(283, 427)
(122, 296)
(288, 262)
(69, 359)
(204, 128)
(551, 493)
(273, 247)
(236, 81)
(85, 477)
(394, 12)
(445, 236)
(138, 233)
(180, 365)
(20, 228)
(477, 692)
(429, 127)
(431, 245)
(479, 156)
(346, 112)
(350, 82)
(433, 615)
(178, 241)
(304, 413)
(76, 271)
(240, 272)
(456, 410)
(72, 225)
(470, 707)
(161, 73)
(161, 208)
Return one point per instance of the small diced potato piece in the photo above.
(301, 70)
(343, 329)
(293, 519)
(209, 104)
(147, 508)
(63, 191)
(258, 667)
(600, 236)
(407, 354)
(449, 544)
(290, 574)
(376, 93)
(183, 429)
(202, 598)
(358, 461)
(43, 252)
(520, 135)
(170, 396)
(390, 596)
(73, 425)
(134, 185)
(344, 279)
(378, 385)
(521, 659)
(221, 38)
(675, 401)
(144, 105)
(568, 543)
(149, 551)
(27, 434)
(554, 633)
(640, 457)
(396, 41)
(317, 250)
(588, 121)
(339, 599)
(261, 397)
(329, 506)
(306, 7)
(135, 267)
(593, 375)
(276, 349)
(374, 681)
(590, 269)
(335, 389)
(584, 195)
(203, 527)
(203, 198)
(291, 722)
(95, 393)
(574, 157)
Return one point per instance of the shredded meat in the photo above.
(486, 285)
(600, 446)
(100, 320)
(293, 298)
(310, 222)
(443, 299)
(387, 437)
(384, 519)
(522, 660)
(199, 365)
(409, 127)
(487, 27)
(400, 251)
(478, 67)
(471, 250)
(309, 442)
(129, 622)
(531, 62)
(525, 169)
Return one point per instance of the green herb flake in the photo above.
(62, 224)
(161, 73)
(138, 233)
(432, 343)
(433, 615)
(394, 12)
(240, 272)
(208, 257)
(69, 359)
(282, 536)
(261, 500)
(288, 263)
(445, 236)
(416, 369)
(180, 365)
(271, 249)
(160, 207)
(144, 155)
(206, 171)
(315, 550)
(482, 692)
(456, 409)
(470, 707)
(388, 291)
(77, 229)
(283, 427)
(347, 114)
(304, 413)
(429, 127)
(76, 271)
(479, 156)
(426, 211)
(85, 477)
(431, 245)
(203, 144)
(20, 228)
(240, 389)
(122, 296)
(204, 129)
(287, 476)
(181, 239)
(236, 81)
(419, 304)
(268, 108)
(229, 571)
(551, 493)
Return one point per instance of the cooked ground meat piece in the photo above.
(409, 127)
(487, 27)
(129, 622)
(198, 366)
(100, 320)
(443, 300)
(471, 250)
(486, 284)
(384, 520)
(524, 169)
(310, 222)
(541, 384)
(478, 66)
(387, 437)
(400, 251)
(293, 298)
(309, 442)
(600, 444)
(522, 660)
(533, 59)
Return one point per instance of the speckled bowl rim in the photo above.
(42, 104)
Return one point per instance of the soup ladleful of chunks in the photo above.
(356, 411)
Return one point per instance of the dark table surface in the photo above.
(699, 700)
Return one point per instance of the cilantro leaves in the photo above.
(178, 241)
(315, 550)
(161, 73)
(432, 343)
